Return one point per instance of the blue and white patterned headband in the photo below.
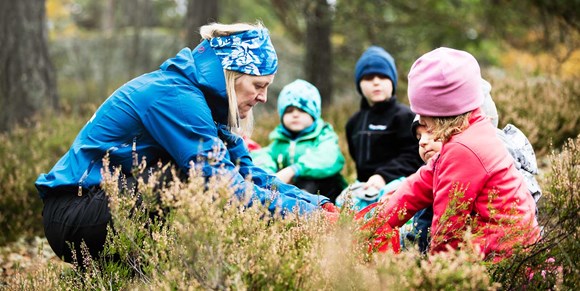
(249, 52)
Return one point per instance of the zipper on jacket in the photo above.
(84, 177)
(91, 164)
(292, 151)
(362, 140)
(280, 162)
(368, 151)
(135, 168)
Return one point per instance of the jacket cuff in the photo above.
(296, 169)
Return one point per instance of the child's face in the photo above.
(427, 146)
(295, 119)
(376, 88)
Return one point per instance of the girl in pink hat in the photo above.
(472, 182)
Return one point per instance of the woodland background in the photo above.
(59, 59)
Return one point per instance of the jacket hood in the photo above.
(202, 67)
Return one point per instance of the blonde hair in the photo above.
(216, 29)
(240, 126)
(445, 127)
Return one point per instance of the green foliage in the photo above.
(25, 152)
(88, 14)
(407, 30)
(91, 66)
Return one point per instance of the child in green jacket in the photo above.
(304, 148)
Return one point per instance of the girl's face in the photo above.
(427, 146)
(295, 119)
(376, 88)
(251, 90)
(427, 121)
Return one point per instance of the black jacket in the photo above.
(380, 141)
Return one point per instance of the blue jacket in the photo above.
(174, 114)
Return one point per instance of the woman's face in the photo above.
(251, 90)
(376, 88)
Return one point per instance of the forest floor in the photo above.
(23, 257)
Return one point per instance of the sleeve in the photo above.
(263, 159)
(408, 160)
(415, 193)
(324, 160)
(461, 177)
(268, 188)
(184, 127)
(524, 156)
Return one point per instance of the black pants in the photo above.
(421, 231)
(70, 219)
(329, 187)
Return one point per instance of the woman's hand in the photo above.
(330, 207)
(286, 174)
(331, 212)
(375, 181)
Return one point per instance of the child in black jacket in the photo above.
(378, 135)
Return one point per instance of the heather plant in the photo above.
(544, 108)
(551, 262)
(343, 263)
(204, 239)
(26, 152)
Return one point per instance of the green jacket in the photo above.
(315, 155)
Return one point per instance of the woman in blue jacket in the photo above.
(177, 114)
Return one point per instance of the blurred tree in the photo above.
(27, 77)
(318, 59)
(406, 29)
(199, 13)
(551, 26)
(97, 14)
(311, 22)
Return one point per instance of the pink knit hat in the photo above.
(445, 82)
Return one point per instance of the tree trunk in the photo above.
(27, 77)
(199, 13)
(318, 59)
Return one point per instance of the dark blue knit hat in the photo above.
(375, 60)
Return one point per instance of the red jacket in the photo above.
(496, 202)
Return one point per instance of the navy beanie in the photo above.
(375, 60)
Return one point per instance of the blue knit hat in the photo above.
(375, 60)
(302, 95)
